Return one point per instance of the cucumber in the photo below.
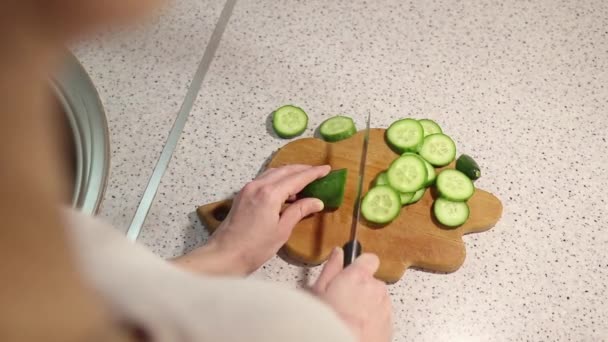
(417, 196)
(449, 213)
(337, 128)
(438, 149)
(407, 173)
(430, 170)
(468, 166)
(329, 189)
(405, 197)
(381, 204)
(431, 175)
(455, 185)
(405, 135)
(381, 179)
(289, 121)
(429, 127)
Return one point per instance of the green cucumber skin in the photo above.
(280, 132)
(334, 137)
(334, 183)
(467, 165)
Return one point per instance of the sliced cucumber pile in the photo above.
(423, 146)
(289, 121)
(337, 128)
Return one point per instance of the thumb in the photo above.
(332, 267)
(298, 210)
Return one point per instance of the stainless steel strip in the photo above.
(182, 116)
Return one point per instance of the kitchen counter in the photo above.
(522, 86)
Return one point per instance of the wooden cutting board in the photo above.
(414, 239)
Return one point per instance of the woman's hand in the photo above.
(358, 298)
(255, 229)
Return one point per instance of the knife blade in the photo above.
(352, 249)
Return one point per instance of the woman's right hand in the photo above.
(361, 300)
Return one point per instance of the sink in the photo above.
(85, 132)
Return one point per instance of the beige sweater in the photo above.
(174, 305)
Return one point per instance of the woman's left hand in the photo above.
(255, 229)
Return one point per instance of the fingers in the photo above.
(332, 268)
(297, 211)
(292, 183)
(367, 263)
(274, 174)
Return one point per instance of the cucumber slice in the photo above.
(430, 170)
(438, 149)
(407, 173)
(451, 214)
(405, 135)
(405, 197)
(381, 179)
(431, 175)
(430, 127)
(381, 204)
(417, 196)
(468, 166)
(455, 185)
(289, 121)
(337, 128)
(329, 189)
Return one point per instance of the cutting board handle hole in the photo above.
(220, 213)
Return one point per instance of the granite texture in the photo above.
(142, 76)
(522, 86)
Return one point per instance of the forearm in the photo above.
(214, 259)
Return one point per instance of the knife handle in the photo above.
(350, 247)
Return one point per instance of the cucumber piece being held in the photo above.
(455, 185)
(289, 121)
(468, 166)
(329, 189)
(381, 204)
(337, 128)
(405, 135)
(438, 149)
(449, 213)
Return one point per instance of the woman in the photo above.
(67, 277)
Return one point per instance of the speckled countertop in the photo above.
(521, 85)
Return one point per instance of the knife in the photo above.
(352, 249)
